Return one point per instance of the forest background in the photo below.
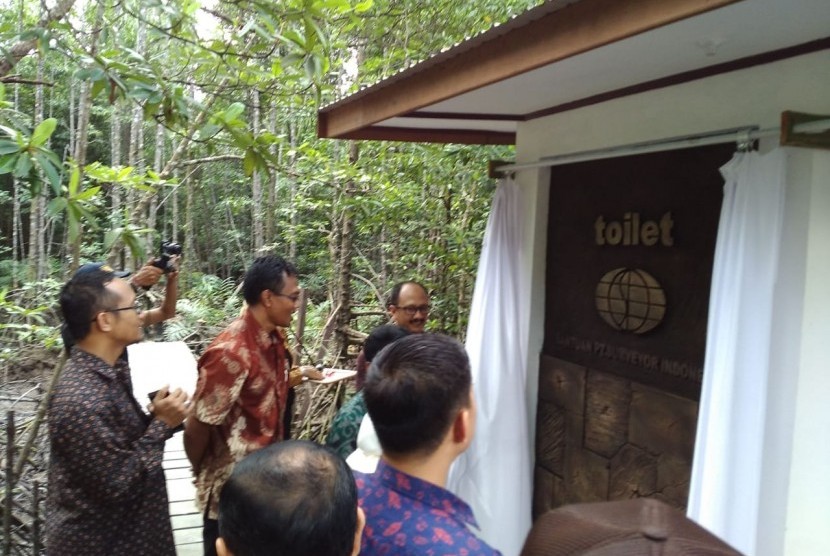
(125, 123)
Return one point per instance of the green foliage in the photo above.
(417, 211)
(77, 204)
(27, 157)
(25, 320)
(211, 303)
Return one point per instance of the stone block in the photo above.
(574, 430)
(633, 474)
(606, 412)
(673, 479)
(586, 476)
(543, 491)
(550, 437)
(562, 383)
(662, 423)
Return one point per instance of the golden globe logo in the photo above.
(630, 300)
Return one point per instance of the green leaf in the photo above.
(49, 169)
(364, 6)
(74, 178)
(234, 111)
(56, 206)
(7, 147)
(135, 246)
(208, 130)
(124, 173)
(43, 132)
(249, 163)
(23, 166)
(97, 74)
(111, 236)
(7, 163)
(97, 87)
(294, 38)
(87, 194)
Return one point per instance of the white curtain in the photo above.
(494, 475)
(726, 473)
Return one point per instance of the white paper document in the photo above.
(154, 364)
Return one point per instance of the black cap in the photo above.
(101, 267)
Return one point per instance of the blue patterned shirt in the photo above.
(408, 516)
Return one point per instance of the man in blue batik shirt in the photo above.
(419, 395)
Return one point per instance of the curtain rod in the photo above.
(792, 124)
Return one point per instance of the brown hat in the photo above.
(641, 527)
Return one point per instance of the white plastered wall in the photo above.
(796, 486)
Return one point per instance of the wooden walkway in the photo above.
(186, 519)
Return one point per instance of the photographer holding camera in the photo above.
(166, 264)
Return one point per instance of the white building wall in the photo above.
(796, 476)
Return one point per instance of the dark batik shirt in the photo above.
(107, 493)
(342, 435)
(408, 516)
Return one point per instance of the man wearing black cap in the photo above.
(106, 484)
(146, 277)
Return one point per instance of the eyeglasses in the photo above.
(136, 306)
(294, 298)
(413, 309)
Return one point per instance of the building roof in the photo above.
(566, 54)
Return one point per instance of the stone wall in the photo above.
(601, 437)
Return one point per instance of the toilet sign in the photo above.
(630, 250)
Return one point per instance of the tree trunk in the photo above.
(174, 221)
(84, 107)
(270, 200)
(189, 247)
(256, 182)
(37, 253)
(42, 270)
(18, 247)
(154, 206)
(136, 153)
(17, 236)
(292, 185)
(343, 264)
(116, 200)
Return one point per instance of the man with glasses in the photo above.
(107, 493)
(242, 391)
(146, 277)
(408, 307)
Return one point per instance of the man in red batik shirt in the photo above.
(242, 391)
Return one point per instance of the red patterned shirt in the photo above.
(242, 392)
(408, 516)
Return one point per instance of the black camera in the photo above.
(167, 250)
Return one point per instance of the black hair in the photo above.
(82, 297)
(414, 390)
(381, 337)
(290, 498)
(266, 273)
(395, 294)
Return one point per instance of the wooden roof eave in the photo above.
(529, 42)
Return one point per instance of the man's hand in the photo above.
(146, 276)
(170, 407)
(311, 372)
